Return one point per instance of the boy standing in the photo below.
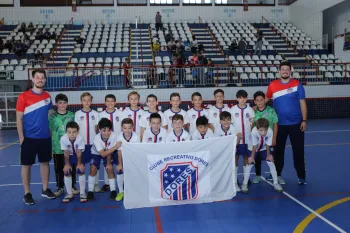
(175, 101)
(196, 112)
(134, 112)
(217, 109)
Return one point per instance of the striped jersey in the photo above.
(135, 116)
(183, 136)
(115, 117)
(169, 117)
(214, 115)
(87, 122)
(242, 118)
(259, 141)
(150, 137)
(192, 116)
(72, 146)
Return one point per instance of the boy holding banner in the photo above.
(178, 134)
(203, 131)
(154, 134)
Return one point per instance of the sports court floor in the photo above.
(262, 210)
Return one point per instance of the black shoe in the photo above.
(90, 196)
(28, 199)
(48, 194)
(105, 188)
(113, 195)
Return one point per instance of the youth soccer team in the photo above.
(87, 137)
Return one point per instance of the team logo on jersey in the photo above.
(93, 117)
(82, 118)
(160, 139)
(76, 146)
(247, 115)
(193, 116)
(266, 138)
(150, 139)
(183, 140)
(215, 115)
(289, 90)
(266, 114)
(179, 181)
(139, 117)
(236, 114)
(68, 146)
(129, 116)
(117, 118)
(170, 118)
(46, 102)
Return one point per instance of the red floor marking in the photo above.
(111, 207)
(54, 210)
(158, 220)
(82, 209)
(27, 211)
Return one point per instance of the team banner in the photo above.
(179, 173)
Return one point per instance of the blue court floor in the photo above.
(327, 195)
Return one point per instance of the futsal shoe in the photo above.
(113, 195)
(68, 198)
(48, 194)
(59, 192)
(302, 181)
(97, 188)
(105, 188)
(83, 198)
(256, 179)
(75, 191)
(119, 197)
(28, 199)
(244, 188)
(281, 180)
(90, 196)
(278, 187)
(237, 188)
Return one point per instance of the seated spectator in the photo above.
(171, 45)
(8, 45)
(179, 44)
(39, 56)
(47, 35)
(22, 28)
(168, 37)
(19, 49)
(39, 35)
(242, 46)
(195, 58)
(156, 47)
(30, 27)
(54, 36)
(234, 45)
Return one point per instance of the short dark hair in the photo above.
(155, 116)
(241, 93)
(105, 123)
(196, 94)
(151, 96)
(259, 93)
(110, 96)
(40, 71)
(262, 123)
(202, 120)
(72, 125)
(219, 90)
(61, 97)
(224, 115)
(285, 63)
(127, 121)
(175, 94)
(177, 117)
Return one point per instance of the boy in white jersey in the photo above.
(105, 143)
(243, 118)
(177, 134)
(127, 136)
(175, 101)
(217, 109)
(196, 111)
(115, 116)
(225, 127)
(151, 102)
(134, 112)
(203, 131)
(73, 145)
(155, 134)
(262, 137)
(87, 120)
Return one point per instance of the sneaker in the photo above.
(302, 181)
(83, 198)
(48, 194)
(112, 195)
(119, 197)
(75, 191)
(256, 179)
(68, 198)
(237, 188)
(59, 192)
(281, 180)
(90, 196)
(105, 188)
(97, 188)
(28, 199)
(278, 187)
(244, 188)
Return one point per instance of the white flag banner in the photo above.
(179, 173)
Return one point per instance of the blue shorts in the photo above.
(115, 160)
(73, 161)
(242, 149)
(96, 161)
(261, 154)
(86, 154)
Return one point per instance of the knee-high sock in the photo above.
(106, 177)
(91, 183)
(82, 183)
(112, 184)
(97, 177)
(68, 184)
(246, 172)
(273, 171)
(120, 182)
(235, 177)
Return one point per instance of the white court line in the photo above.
(8, 185)
(19, 165)
(328, 131)
(309, 209)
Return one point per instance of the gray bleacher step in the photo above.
(72, 30)
(141, 60)
(56, 62)
(63, 51)
(295, 58)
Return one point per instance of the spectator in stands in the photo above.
(150, 78)
(19, 49)
(47, 35)
(234, 45)
(210, 71)
(30, 27)
(158, 22)
(8, 45)
(2, 46)
(22, 28)
(168, 37)
(195, 58)
(259, 42)
(156, 47)
(38, 55)
(242, 46)
(194, 45)
(179, 44)
(171, 45)
(187, 45)
(126, 65)
(39, 35)
(53, 36)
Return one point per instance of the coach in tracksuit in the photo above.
(288, 96)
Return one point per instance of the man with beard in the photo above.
(288, 96)
(32, 113)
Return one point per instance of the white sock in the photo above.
(91, 183)
(106, 177)
(112, 184)
(246, 172)
(82, 183)
(68, 184)
(97, 177)
(120, 182)
(273, 171)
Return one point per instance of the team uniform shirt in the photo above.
(192, 116)
(115, 117)
(198, 136)
(219, 132)
(259, 141)
(35, 108)
(172, 137)
(135, 116)
(144, 123)
(150, 137)
(268, 113)
(57, 126)
(135, 138)
(214, 115)
(87, 122)
(169, 117)
(286, 100)
(72, 146)
(242, 119)
(101, 144)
